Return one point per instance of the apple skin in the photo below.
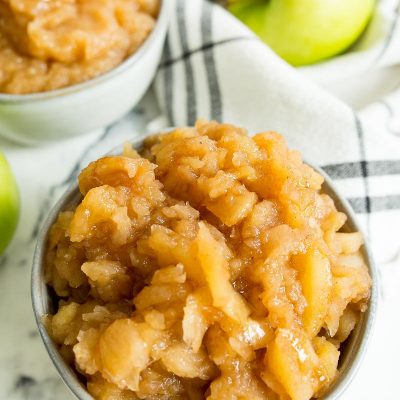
(9, 204)
(305, 31)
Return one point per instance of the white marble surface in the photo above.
(43, 173)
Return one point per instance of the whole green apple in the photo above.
(305, 31)
(9, 203)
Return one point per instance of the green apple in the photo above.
(9, 203)
(305, 31)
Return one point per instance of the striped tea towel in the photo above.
(214, 67)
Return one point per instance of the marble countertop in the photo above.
(43, 174)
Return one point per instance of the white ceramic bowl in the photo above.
(81, 108)
(43, 302)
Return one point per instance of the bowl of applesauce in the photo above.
(68, 68)
(204, 263)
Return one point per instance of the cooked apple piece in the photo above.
(116, 171)
(155, 319)
(110, 279)
(251, 336)
(86, 351)
(233, 206)
(315, 276)
(239, 381)
(329, 357)
(218, 347)
(123, 354)
(347, 322)
(263, 216)
(65, 325)
(293, 361)
(113, 171)
(158, 383)
(351, 284)
(172, 274)
(195, 322)
(101, 389)
(349, 242)
(216, 273)
(164, 243)
(102, 210)
(182, 361)
(158, 294)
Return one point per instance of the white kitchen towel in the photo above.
(215, 68)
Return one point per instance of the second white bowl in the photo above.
(81, 108)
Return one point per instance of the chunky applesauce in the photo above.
(211, 266)
(46, 45)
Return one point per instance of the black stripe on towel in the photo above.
(355, 169)
(209, 62)
(204, 47)
(364, 166)
(168, 83)
(375, 204)
(191, 103)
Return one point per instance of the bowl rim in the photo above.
(365, 326)
(126, 64)
(358, 343)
